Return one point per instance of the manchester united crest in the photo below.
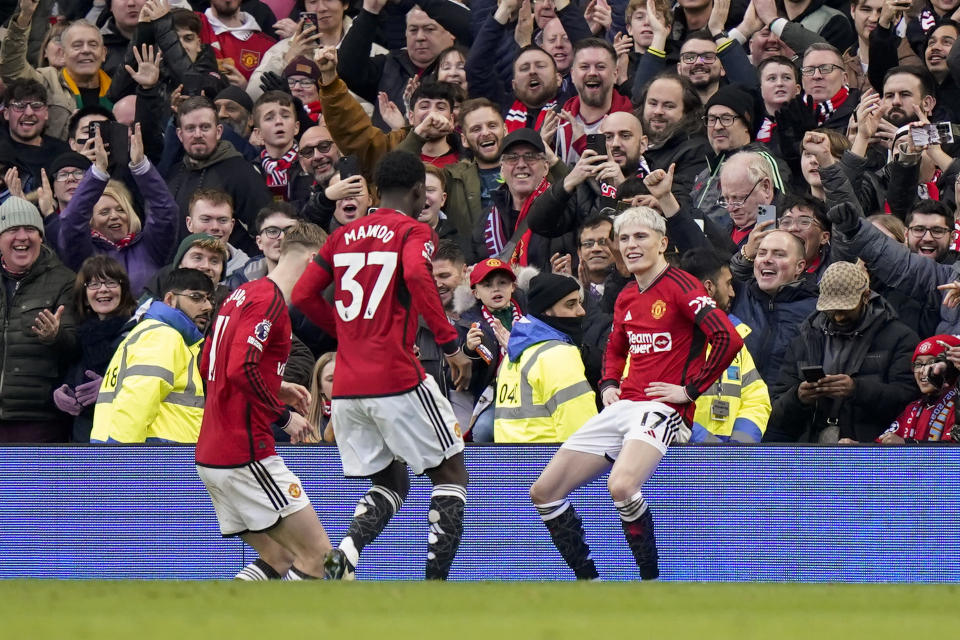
(294, 490)
(249, 59)
(658, 309)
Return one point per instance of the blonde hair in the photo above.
(644, 216)
(315, 412)
(119, 192)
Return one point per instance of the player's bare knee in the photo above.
(450, 471)
(621, 487)
(395, 478)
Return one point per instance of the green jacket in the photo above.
(29, 369)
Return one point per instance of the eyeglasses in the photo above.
(920, 365)
(96, 285)
(726, 120)
(919, 231)
(590, 244)
(63, 176)
(300, 82)
(824, 69)
(529, 157)
(323, 147)
(736, 204)
(690, 57)
(273, 232)
(800, 222)
(20, 107)
(197, 298)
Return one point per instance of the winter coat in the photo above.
(225, 169)
(29, 369)
(879, 361)
(687, 152)
(774, 321)
(149, 250)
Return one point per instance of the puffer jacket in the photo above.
(880, 369)
(774, 321)
(30, 369)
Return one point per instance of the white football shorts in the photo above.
(253, 497)
(652, 422)
(418, 427)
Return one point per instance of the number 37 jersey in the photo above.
(381, 268)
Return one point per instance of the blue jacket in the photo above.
(526, 334)
(775, 321)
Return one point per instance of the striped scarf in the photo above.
(489, 318)
(277, 171)
(826, 108)
(516, 117)
(496, 240)
(608, 190)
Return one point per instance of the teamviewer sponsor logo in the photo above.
(645, 343)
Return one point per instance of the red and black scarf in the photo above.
(122, 243)
(489, 318)
(826, 108)
(277, 171)
(495, 239)
(519, 113)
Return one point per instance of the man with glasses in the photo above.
(27, 148)
(503, 232)
(303, 78)
(747, 186)
(271, 223)
(152, 390)
(929, 231)
(825, 81)
(63, 175)
(210, 162)
(732, 117)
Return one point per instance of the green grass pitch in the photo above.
(492, 611)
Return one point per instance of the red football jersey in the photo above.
(243, 364)
(382, 273)
(665, 330)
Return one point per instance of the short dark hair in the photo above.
(195, 103)
(435, 90)
(703, 263)
(811, 204)
(594, 220)
(781, 60)
(281, 207)
(928, 83)
(449, 250)
(931, 208)
(186, 19)
(475, 104)
(107, 268)
(186, 279)
(24, 89)
(83, 112)
(538, 48)
(399, 171)
(632, 186)
(699, 34)
(281, 98)
(594, 43)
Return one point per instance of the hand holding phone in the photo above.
(349, 166)
(597, 142)
(766, 213)
(310, 18)
(812, 373)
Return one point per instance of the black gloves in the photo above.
(845, 217)
(271, 81)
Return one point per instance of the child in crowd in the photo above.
(494, 285)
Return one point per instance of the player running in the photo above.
(387, 411)
(253, 492)
(660, 324)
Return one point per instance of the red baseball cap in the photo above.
(933, 346)
(483, 269)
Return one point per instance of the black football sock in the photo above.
(446, 528)
(372, 514)
(566, 530)
(637, 522)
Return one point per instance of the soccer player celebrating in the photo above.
(254, 494)
(660, 323)
(387, 411)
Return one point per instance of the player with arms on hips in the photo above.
(254, 494)
(662, 323)
(386, 409)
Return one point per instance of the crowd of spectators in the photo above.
(803, 154)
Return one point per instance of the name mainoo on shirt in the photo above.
(379, 231)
